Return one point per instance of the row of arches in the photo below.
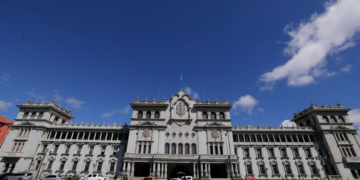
(32, 115)
(213, 115)
(325, 119)
(180, 149)
(148, 114)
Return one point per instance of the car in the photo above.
(187, 177)
(53, 177)
(2, 176)
(149, 178)
(96, 177)
(20, 176)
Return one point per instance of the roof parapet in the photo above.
(52, 103)
(316, 107)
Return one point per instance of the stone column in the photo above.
(132, 168)
(209, 170)
(228, 170)
(123, 170)
(236, 169)
(201, 170)
(166, 170)
(205, 171)
(232, 170)
(194, 172)
(157, 169)
(153, 168)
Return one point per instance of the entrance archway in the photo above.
(142, 169)
(178, 169)
(218, 171)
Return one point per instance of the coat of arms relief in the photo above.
(146, 133)
(215, 134)
(180, 109)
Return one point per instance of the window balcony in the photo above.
(351, 159)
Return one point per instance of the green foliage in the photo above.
(75, 177)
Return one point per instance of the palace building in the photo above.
(183, 135)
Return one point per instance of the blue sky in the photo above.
(96, 58)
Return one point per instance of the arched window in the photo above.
(314, 121)
(63, 121)
(157, 114)
(180, 151)
(193, 149)
(167, 148)
(26, 115)
(325, 119)
(173, 148)
(333, 120)
(204, 115)
(308, 123)
(222, 115)
(33, 115)
(213, 115)
(41, 115)
(140, 114)
(187, 148)
(148, 114)
(342, 120)
(56, 119)
(301, 125)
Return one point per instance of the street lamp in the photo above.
(46, 150)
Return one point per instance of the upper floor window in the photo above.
(41, 115)
(301, 169)
(180, 151)
(283, 152)
(333, 119)
(26, 115)
(204, 115)
(157, 114)
(296, 152)
(325, 119)
(67, 149)
(32, 115)
(308, 123)
(173, 148)
(288, 169)
(193, 149)
(167, 148)
(187, 149)
(56, 119)
(271, 153)
(314, 169)
(213, 115)
(79, 149)
(258, 153)
(140, 114)
(221, 115)
(246, 152)
(342, 120)
(148, 114)
(308, 153)
(103, 148)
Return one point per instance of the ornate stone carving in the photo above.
(215, 134)
(146, 133)
(180, 109)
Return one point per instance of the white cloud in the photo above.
(37, 96)
(324, 34)
(246, 103)
(288, 123)
(58, 98)
(33, 89)
(5, 105)
(4, 78)
(74, 103)
(55, 91)
(354, 116)
(191, 92)
(124, 110)
(346, 68)
(261, 110)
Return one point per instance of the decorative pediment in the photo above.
(146, 123)
(214, 124)
(26, 123)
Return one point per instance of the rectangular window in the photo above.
(67, 149)
(221, 150)
(296, 152)
(62, 165)
(149, 149)
(91, 149)
(139, 149)
(79, 149)
(271, 139)
(246, 153)
(211, 150)
(308, 153)
(262, 169)
(50, 165)
(353, 152)
(287, 169)
(103, 148)
(241, 138)
(271, 153)
(294, 139)
(301, 169)
(87, 166)
(216, 150)
(277, 139)
(115, 150)
(56, 148)
(354, 174)
(275, 169)
(249, 169)
(99, 166)
(74, 165)
(112, 167)
(313, 169)
(283, 152)
(44, 147)
(265, 139)
(258, 153)
(7, 165)
(144, 148)
(38, 165)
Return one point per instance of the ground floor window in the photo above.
(87, 166)
(112, 167)
(99, 166)
(62, 165)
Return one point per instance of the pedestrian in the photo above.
(69, 178)
(115, 177)
(86, 176)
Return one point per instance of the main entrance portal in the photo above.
(142, 169)
(174, 169)
(218, 171)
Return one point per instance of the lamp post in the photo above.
(46, 150)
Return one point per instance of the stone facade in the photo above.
(183, 135)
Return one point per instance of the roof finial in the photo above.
(29, 100)
(311, 103)
(53, 101)
(338, 103)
